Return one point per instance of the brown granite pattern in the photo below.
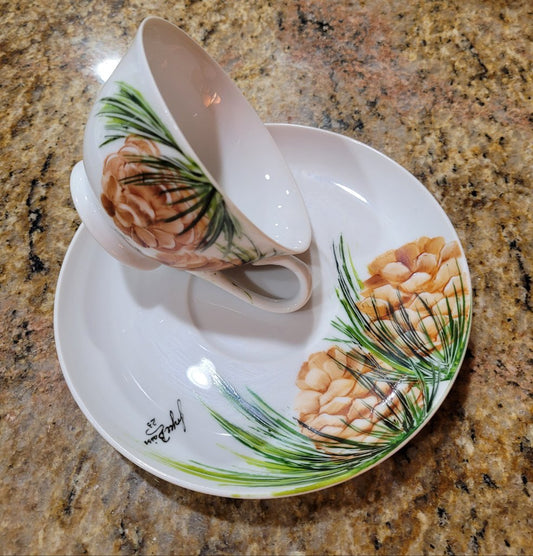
(442, 87)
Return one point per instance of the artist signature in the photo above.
(160, 432)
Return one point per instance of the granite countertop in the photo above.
(444, 88)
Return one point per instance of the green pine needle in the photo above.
(128, 113)
(410, 357)
(287, 457)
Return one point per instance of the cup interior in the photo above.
(227, 136)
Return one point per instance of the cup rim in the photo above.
(304, 228)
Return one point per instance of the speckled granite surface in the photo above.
(445, 89)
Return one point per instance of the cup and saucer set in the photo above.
(249, 310)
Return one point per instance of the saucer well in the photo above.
(214, 395)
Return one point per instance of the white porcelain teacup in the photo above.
(179, 170)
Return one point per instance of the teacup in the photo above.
(178, 169)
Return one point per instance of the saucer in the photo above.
(212, 394)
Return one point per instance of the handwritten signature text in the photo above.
(162, 432)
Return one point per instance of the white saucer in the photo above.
(199, 388)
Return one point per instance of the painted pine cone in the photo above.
(417, 286)
(336, 400)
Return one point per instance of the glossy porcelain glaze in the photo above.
(187, 173)
(212, 394)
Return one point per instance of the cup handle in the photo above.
(259, 300)
(99, 227)
(92, 215)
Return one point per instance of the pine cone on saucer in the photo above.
(405, 328)
(415, 287)
(340, 398)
